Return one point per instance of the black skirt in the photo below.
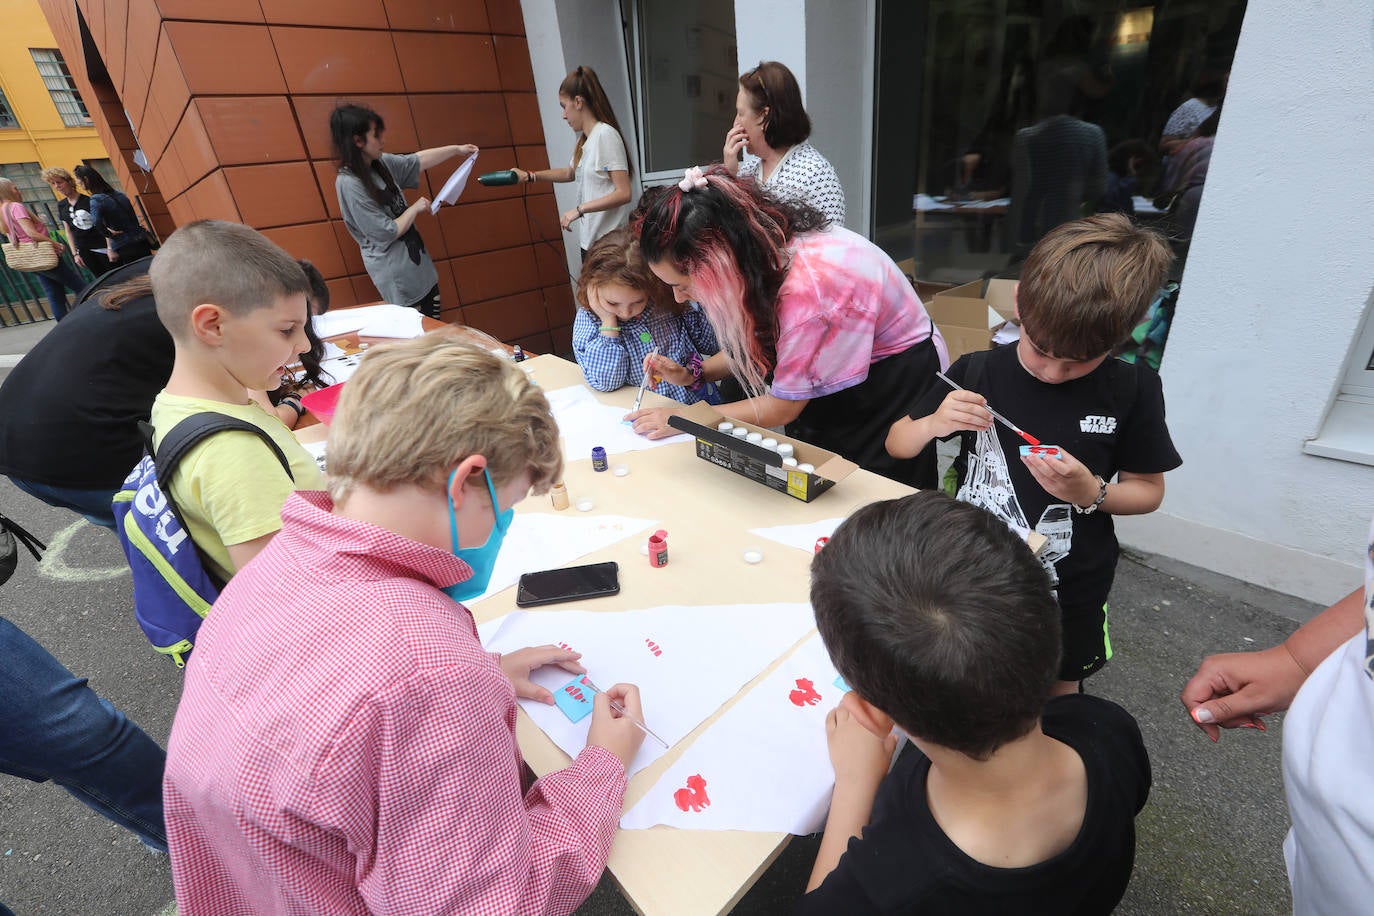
(854, 422)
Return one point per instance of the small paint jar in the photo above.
(599, 459)
(739, 432)
(789, 462)
(821, 542)
(806, 468)
(724, 427)
(755, 438)
(559, 494)
(658, 549)
(770, 443)
(786, 450)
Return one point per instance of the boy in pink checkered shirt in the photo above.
(344, 743)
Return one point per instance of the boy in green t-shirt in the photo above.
(236, 307)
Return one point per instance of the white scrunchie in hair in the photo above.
(692, 178)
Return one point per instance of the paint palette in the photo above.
(1041, 451)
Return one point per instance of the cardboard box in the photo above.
(968, 317)
(759, 464)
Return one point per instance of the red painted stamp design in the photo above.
(693, 797)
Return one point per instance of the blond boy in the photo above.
(236, 307)
(374, 767)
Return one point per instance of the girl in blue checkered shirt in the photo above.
(625, 312)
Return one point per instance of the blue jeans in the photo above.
(63, 275)
(93, 504)
(52, 726)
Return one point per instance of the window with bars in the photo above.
(53, 69)
(7, 119)
(107, 171)
(28, 179)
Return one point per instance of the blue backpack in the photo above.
(173, 588)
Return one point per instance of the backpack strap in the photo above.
(184, 437)
(30, 541)
(189, 433)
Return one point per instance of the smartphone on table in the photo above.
(572, 583)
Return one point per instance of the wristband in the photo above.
(531, 178)
(294, 403)
(607, 327)
(580, 214)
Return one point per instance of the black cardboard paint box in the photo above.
(759, 464)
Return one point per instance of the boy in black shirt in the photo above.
(943, 623)
(1083, 288)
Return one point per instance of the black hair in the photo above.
(93, 180)
(346, 124)
(730, 224)
(938, 614)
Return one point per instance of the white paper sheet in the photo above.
(340, 369)
(537, 540)
(453, 188)
(802, 537)
(686, 661)
(925, 202)
(584, 422)
(384, 320)
(763, 766)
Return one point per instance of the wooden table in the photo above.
(707, 512)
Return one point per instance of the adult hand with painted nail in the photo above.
(517, 666)
(1064, 477)
(652, 422)
(660, 368)
(1233, 690)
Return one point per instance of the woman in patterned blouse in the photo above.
(772, 126)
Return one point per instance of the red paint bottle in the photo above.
(658, 549)
(820, 542)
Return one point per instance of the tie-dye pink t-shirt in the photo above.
(843, 307)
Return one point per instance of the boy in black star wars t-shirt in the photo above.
(1083, 288)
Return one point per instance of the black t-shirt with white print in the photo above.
(1084, 417)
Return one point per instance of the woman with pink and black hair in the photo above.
(824, 332)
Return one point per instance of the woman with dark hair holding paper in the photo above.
(771, 124)
(369, 187)
(818, 314)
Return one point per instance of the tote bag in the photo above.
(30, 256)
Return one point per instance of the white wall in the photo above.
(828, 46)
(1277, 282)
(563, 35)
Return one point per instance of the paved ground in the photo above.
(1210, 838)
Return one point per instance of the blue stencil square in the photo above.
(575, 699)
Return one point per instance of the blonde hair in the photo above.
(54, 172)
(225, 264)
(9, 191)
(416, 408)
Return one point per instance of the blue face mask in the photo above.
(481, 559)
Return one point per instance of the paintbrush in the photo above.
(1009, 425)
(644, 383)
(618, 707)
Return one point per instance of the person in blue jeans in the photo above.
(54, 727)
(20, 225)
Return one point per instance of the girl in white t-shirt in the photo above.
(599, 164)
